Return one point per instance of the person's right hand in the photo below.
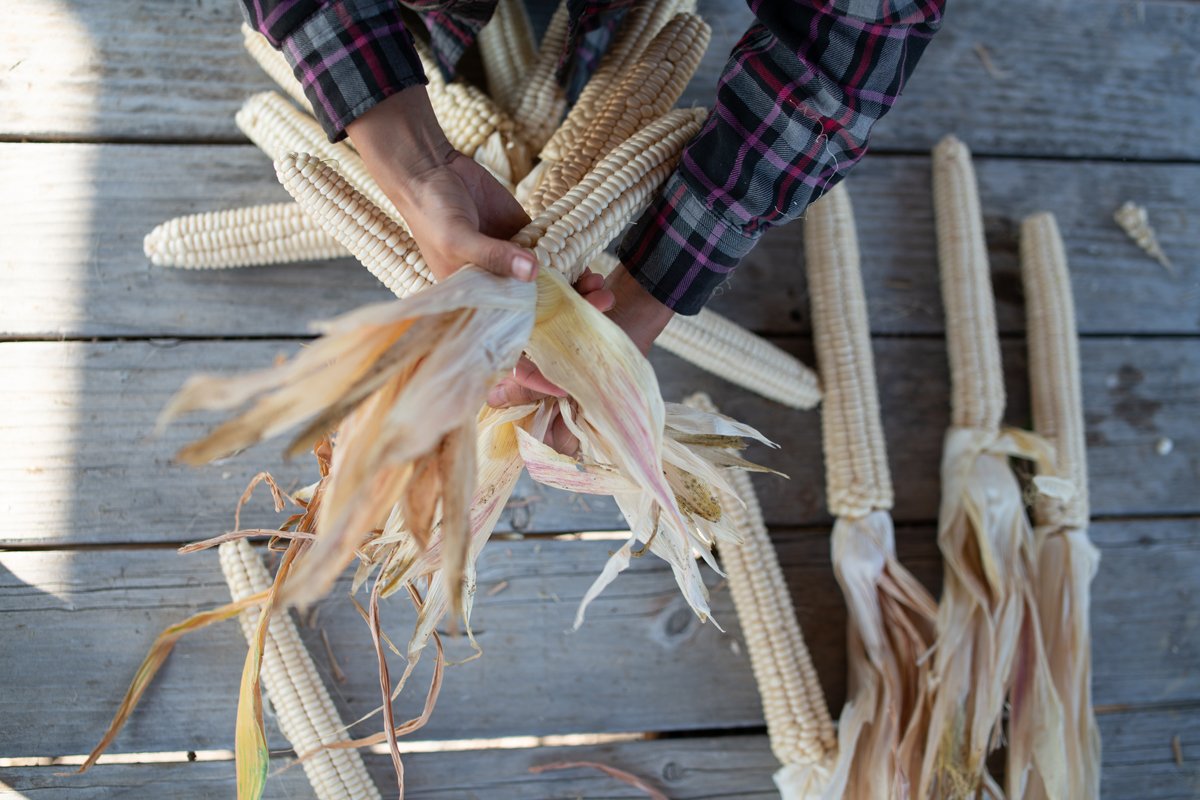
(457, 211)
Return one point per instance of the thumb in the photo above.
(497, 256)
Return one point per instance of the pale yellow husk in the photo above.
(303, 709)
(891, 616)
(989, 643)
(1067, 561)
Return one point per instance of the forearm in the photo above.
(348, 55)
(795, 107)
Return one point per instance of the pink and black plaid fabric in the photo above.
(794, 109)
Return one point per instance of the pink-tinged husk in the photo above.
(989, 643)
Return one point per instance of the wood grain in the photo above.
(76, 624)
(72, 260)
(80, 463)
(1074, 77)
(1138, 762)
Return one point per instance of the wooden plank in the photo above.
(1138, 762)
(137, 69)
(697, 769)
(73, 266)
(1136, 60)
(641, 662)
(81, 464)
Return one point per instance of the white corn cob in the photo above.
(278, 128)
(508, 51)
(377, 241)
(723, 347)
(305, 712)
(798, 722)
(274, 64)
(569, 233)
(542, 102)
(240, 237)
(1067, 560)
(656, 81)
(639, 27)
(1135, 221)
(856, 470)
(891, 616)
(977, 381)
(989, 647)
(1054, 366)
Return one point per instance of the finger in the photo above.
(562, 439)
(495, 255)
(510, 393)
(529, 376)
(589, 282)
(601, 299)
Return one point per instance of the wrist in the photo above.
(400, 139)
(637, 312)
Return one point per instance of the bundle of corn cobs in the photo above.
(415, 468)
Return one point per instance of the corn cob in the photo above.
(798, 722)
(856, 471)
(508, 50)
(474, 124)
(989, 640)
(1067, 561)
(568, 234)
(305, 712)
(977, 385)
(656, 81)
(278, 128)
(240, 237)
(640, 25)
(891, 616)
(381, 244)
(275, 65)
(542, 102)
(723, 347)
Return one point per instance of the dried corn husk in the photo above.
(801, 731)
(891, 616)
(989, 644)
(1067, 561)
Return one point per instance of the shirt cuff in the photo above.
(681, 251)
(349, 56)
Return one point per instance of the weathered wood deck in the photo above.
(117, 115)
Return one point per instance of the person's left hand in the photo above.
(628, 304)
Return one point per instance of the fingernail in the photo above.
(522, 268)
(496, 396)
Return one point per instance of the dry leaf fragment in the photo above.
(1135, 221)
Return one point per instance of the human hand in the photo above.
(628, 304)
(457, 211)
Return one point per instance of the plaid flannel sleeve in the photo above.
(795, 106)
(351, 54)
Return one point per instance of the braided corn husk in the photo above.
(988, 645)
(508, 51)
(1067, 560)
(240, 237)
(303, 708)
(798, 723)
(891, 616)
